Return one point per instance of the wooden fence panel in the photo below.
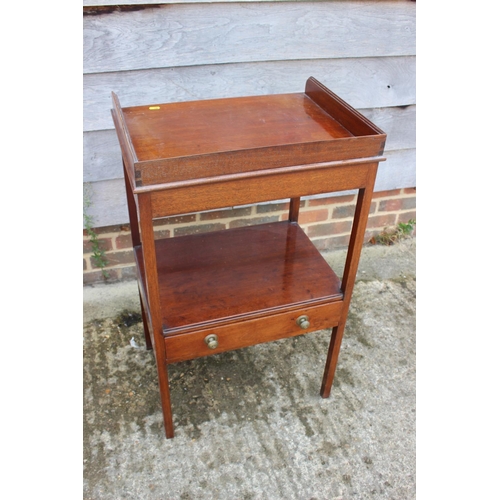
(193, 34)
(88, 4)
(363, 82)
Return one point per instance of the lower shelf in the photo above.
(218, 279)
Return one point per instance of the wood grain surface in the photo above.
(188, 35)
(242, 270)
(366, 82)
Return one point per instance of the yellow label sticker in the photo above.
(154, 107)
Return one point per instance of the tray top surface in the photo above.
(233, 124)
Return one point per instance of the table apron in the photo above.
(250, 190)
(245, 333)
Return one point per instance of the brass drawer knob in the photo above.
(303, 322)
(212, 341)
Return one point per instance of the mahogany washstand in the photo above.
(207, 293)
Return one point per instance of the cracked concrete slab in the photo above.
(250, 424)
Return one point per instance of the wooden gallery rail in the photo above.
(208, 293)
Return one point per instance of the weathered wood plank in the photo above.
(108, 203)
(363, 82)
(194, 34)
(102, 158)
(119, 3)
(398, 171)
(109, 206)
(399, 123)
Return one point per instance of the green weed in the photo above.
(389, 236)
(98, 253)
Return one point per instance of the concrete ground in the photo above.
(250, 424)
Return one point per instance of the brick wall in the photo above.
(327, 222)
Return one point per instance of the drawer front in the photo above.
(213, 340)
